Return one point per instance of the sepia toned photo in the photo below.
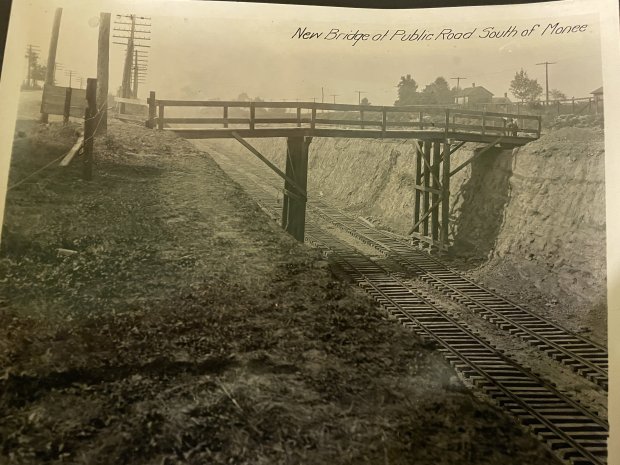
(285, 234)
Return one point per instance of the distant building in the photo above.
(501, 100)
(598, 94)
(473, 94)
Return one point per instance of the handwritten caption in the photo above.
(424, 35)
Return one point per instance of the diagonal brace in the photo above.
(277, 170)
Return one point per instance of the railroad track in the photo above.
(580, 354)
(570, 430)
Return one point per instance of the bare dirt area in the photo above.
(155, 316)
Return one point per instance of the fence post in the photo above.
(226, 116)
(362, 118)
(150, 123)
(484, 120)
(383, 121)
(298, 117)
(160, 117)
(90, 116)
(67, 112)
(252, 115)
(313, 117)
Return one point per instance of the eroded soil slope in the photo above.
(179, 325)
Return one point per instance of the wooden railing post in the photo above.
(447, 128)
(383, 121)
(362, 118)
(226, 117)
(252, 115)
(313, 118)
(298, 117)
(484, 121)
(421, 117)
(150, 123)
(67, 110)
(90, 116)
(160, 117)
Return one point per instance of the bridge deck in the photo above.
(310, 119)
(201, 133)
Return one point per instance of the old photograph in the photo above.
(243, 233)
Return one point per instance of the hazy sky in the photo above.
(221, 49)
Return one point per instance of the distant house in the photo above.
(473, 94)
(598, 94)
(501, 100)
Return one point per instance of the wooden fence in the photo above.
(64, 101)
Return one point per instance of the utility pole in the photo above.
(359, 96)
(103, 71)
(69, 72)
(32, 53)
(334, 95)
(133, 42)
(458, 80)
(546, 63)
(51, 56)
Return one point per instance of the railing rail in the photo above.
(256, 115)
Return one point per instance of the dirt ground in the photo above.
(155, 316)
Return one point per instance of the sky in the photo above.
(219, 50)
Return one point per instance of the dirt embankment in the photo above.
(537, 213)
(184, 327)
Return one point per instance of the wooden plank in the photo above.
(67, 109)
(89, 128)
(131, 101)
(435, 185)
(292, 182)
(422, 188)
(161, 115)
(418, 182)
(207, 120)
(152, 109)
(221, 133)
(490, 113)
(347, 122)
(71, 153)
(294, 208)
(445, 195)
(422, 220)
(426, 155)
(464, 164)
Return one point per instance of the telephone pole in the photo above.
(458, 80)
(69, 72)
(103, 72)
(32, 53)
(546, 63)
(135, 30)
(359, 96)
(334, 96)
(51, 56)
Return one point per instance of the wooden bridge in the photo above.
(437, 132)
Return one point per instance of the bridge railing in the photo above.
(312, 115)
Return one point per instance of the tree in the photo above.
(407, 91)
(437, 92)
(556, 94)
(524, 88)
(365, 102)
